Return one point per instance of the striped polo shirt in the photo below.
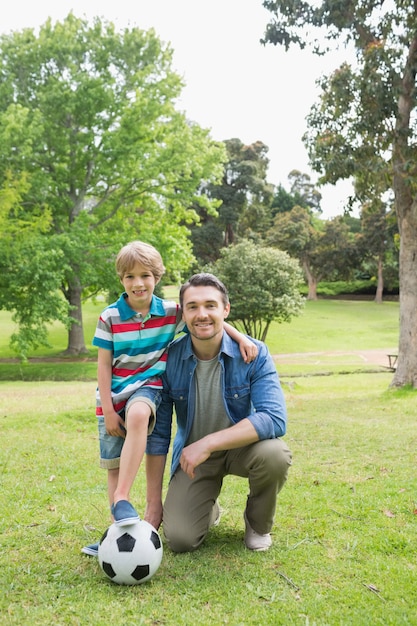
(138, 345)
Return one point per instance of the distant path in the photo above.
(344, 357)
(347, 357)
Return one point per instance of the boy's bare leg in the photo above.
(133, 450)
(112, 480)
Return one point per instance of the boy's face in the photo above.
(139, 284)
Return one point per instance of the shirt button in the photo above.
(236, 395)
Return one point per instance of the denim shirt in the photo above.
(250, 391)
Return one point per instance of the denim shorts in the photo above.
(111, 447)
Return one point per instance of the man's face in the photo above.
(204, 312)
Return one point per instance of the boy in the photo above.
(132, 336)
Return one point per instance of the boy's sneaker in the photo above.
(124, 513)
(91, 550)
(254, 541)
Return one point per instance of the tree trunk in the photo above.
(406, 372)
(311, 282)
(380, 283)
(228, 235)
(406, 209)
(76, 343)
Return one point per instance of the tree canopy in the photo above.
(93, 153)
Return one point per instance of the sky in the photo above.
(234, 86)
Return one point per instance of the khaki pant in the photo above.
(188, 508)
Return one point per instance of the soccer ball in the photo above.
(130, 555)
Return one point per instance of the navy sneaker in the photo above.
(91, 550)
(124, 513)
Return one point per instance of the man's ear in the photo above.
(226, 310)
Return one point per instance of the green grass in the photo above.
(337, 325)
(345, 539)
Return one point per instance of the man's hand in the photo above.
(193, 455)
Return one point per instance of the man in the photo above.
(230, 417)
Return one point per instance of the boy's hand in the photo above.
(114, 425)
(248, 350)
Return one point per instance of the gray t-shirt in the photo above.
(210, 414)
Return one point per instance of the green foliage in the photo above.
(243, 198)
(263, 285)
(325, 250)
(342, 287)
(30, 281)
(283, 201)
(296, 232)
(303, 193)
(93, 153)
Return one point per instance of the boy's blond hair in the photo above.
(139, 252)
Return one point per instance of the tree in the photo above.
(243, 199)
(243, 194)
(377, 99)
(377, 237)
(92, 142)
(324, 249)
(282, 201)
(265, 290)
(304, 191)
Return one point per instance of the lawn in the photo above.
(345, 540)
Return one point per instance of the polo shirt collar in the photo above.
(126, 311)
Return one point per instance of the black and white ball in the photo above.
(130, 555)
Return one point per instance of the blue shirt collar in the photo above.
(228, 346)
(126, 311)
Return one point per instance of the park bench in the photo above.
(392, 360)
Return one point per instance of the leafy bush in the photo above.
(263, 284)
